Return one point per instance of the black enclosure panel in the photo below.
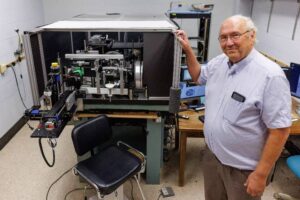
(158, 63)
(55, 43)
(133, 37)
(37, 63)
(78, 38)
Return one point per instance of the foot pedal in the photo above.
(167, 192)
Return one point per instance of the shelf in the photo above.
(202, 38)
(199, 39)
(189, 14)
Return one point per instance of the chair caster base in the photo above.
(112, 196)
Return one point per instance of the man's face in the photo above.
(235, 40)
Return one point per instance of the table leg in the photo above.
(154, 150)
(182, 153)
(176, 133)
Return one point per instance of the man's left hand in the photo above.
(255, 184)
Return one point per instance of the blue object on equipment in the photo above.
(293, 163)
(35, 112)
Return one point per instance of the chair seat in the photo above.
(294, 164)
(109, 169)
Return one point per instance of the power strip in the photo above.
(167, 192)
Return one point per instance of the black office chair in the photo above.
(112, 165)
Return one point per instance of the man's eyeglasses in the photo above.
(233, 37)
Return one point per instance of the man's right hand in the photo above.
(191, 60)
(183, 39)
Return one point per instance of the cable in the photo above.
(131, 189)
(159, 196)
(18, 88)
(15, 75)
(27, 118)
(76, 189)
(56, 181)
(42, 151)
(176, 24)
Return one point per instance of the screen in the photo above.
(185, 75)
(293, 77)
(191, 91)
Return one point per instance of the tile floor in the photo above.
(25, 176)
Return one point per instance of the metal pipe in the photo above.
(94, 56)
(296, 21)
(251, 9)
(270, 15)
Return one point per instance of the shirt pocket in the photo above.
(233, 110)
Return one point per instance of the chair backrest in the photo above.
(90, 134)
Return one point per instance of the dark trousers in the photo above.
(222, 182)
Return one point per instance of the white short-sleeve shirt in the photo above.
(242, 101)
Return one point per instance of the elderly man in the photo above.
(247, 116)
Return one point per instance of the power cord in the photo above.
(159, 196)
(29, 126)
(18, 87)
(56, 181)
(176, 24)
(18, 53)
(131, 189)
(52, 144)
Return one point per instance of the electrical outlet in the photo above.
(3, 68)
(167, 192)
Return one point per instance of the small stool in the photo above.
(293, 163)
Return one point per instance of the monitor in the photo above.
(189, 89)
(190, 92)
(293, 77)
(185, 75)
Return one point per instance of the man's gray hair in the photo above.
(249, 23)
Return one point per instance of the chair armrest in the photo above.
(135, 152)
